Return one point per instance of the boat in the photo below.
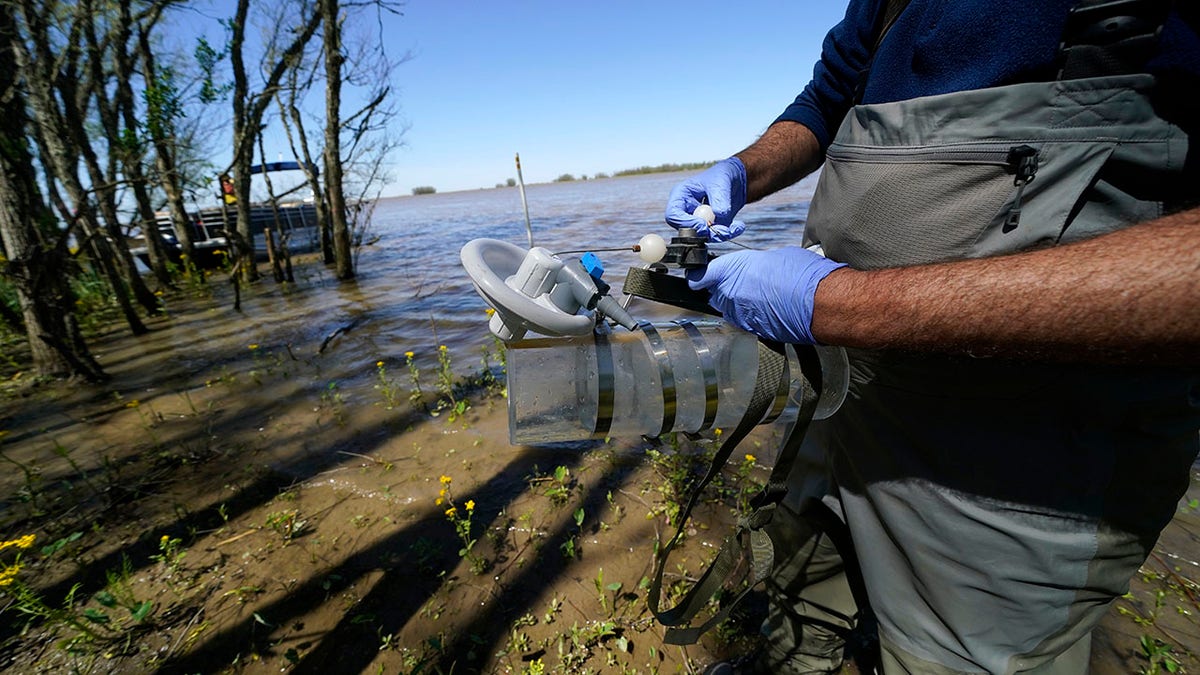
(293, 221)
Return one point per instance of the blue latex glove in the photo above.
(723, 185)
(769, 293)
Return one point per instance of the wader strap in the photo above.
(749, 536)
(1110, 37)
(818, 514)
(891, 10)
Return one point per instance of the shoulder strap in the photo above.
(749, 542)
(889, 12)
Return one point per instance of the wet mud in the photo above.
(277, 487)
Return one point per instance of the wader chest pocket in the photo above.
(891, 206)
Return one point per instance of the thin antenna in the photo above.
(524, 204)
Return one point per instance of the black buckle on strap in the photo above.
(1110, 37)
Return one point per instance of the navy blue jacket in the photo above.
(942, 46)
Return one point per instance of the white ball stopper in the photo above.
(652, 248)
(705, 212)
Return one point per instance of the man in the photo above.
(1014, 266)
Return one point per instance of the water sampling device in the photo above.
(580, 366)
(581, 378)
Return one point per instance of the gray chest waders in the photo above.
(984, 493)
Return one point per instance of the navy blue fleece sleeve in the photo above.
(844, 54)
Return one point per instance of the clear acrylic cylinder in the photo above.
(674, 376)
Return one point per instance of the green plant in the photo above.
(553, 609)
(86, 625)
(493, 384)
(170, 553)
(448, 398)
(602, 590)
(560, 486)
(461, 520)
(31, 488)
(415, 396)
(286, 524)
(331, 398)
(385, 386)
(1160, 655)
(568, 547)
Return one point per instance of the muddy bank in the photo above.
(240, 500)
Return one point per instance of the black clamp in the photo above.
(687, 250)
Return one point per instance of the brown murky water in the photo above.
(301, 484)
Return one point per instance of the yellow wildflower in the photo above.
(438, 501)
(489, 311)
(441, 348)
(442, 492)
(163, 542)
(751, 458)
(717, 432)
(451, 512)
(133, 404)
(470, 505)
(379, 364)
(20, 542)
(445, 479)
(8, 575)
(408, 355)
(254, 346)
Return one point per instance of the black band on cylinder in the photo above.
(658, 348)
(708, 368)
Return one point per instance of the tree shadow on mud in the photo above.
(346, 648)
(393, 601)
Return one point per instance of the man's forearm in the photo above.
(1132, 295)
(785, 153)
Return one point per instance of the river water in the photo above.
(412, 286)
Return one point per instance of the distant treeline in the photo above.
(665, 168)
(424, 190)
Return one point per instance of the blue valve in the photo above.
(591, 263)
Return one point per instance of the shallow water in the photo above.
(411, 281)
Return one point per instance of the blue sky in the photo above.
(581, 87)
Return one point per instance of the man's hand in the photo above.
(723, 187)
(769, 293)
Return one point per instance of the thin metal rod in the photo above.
(594, 250)
(524, 204)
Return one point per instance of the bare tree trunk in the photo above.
(133, 153)
(248, 113)
(37, 267)
(344, 264)
(298, 140)
(61, 153)
(104, 179)
(163, 136)
(244, 131)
